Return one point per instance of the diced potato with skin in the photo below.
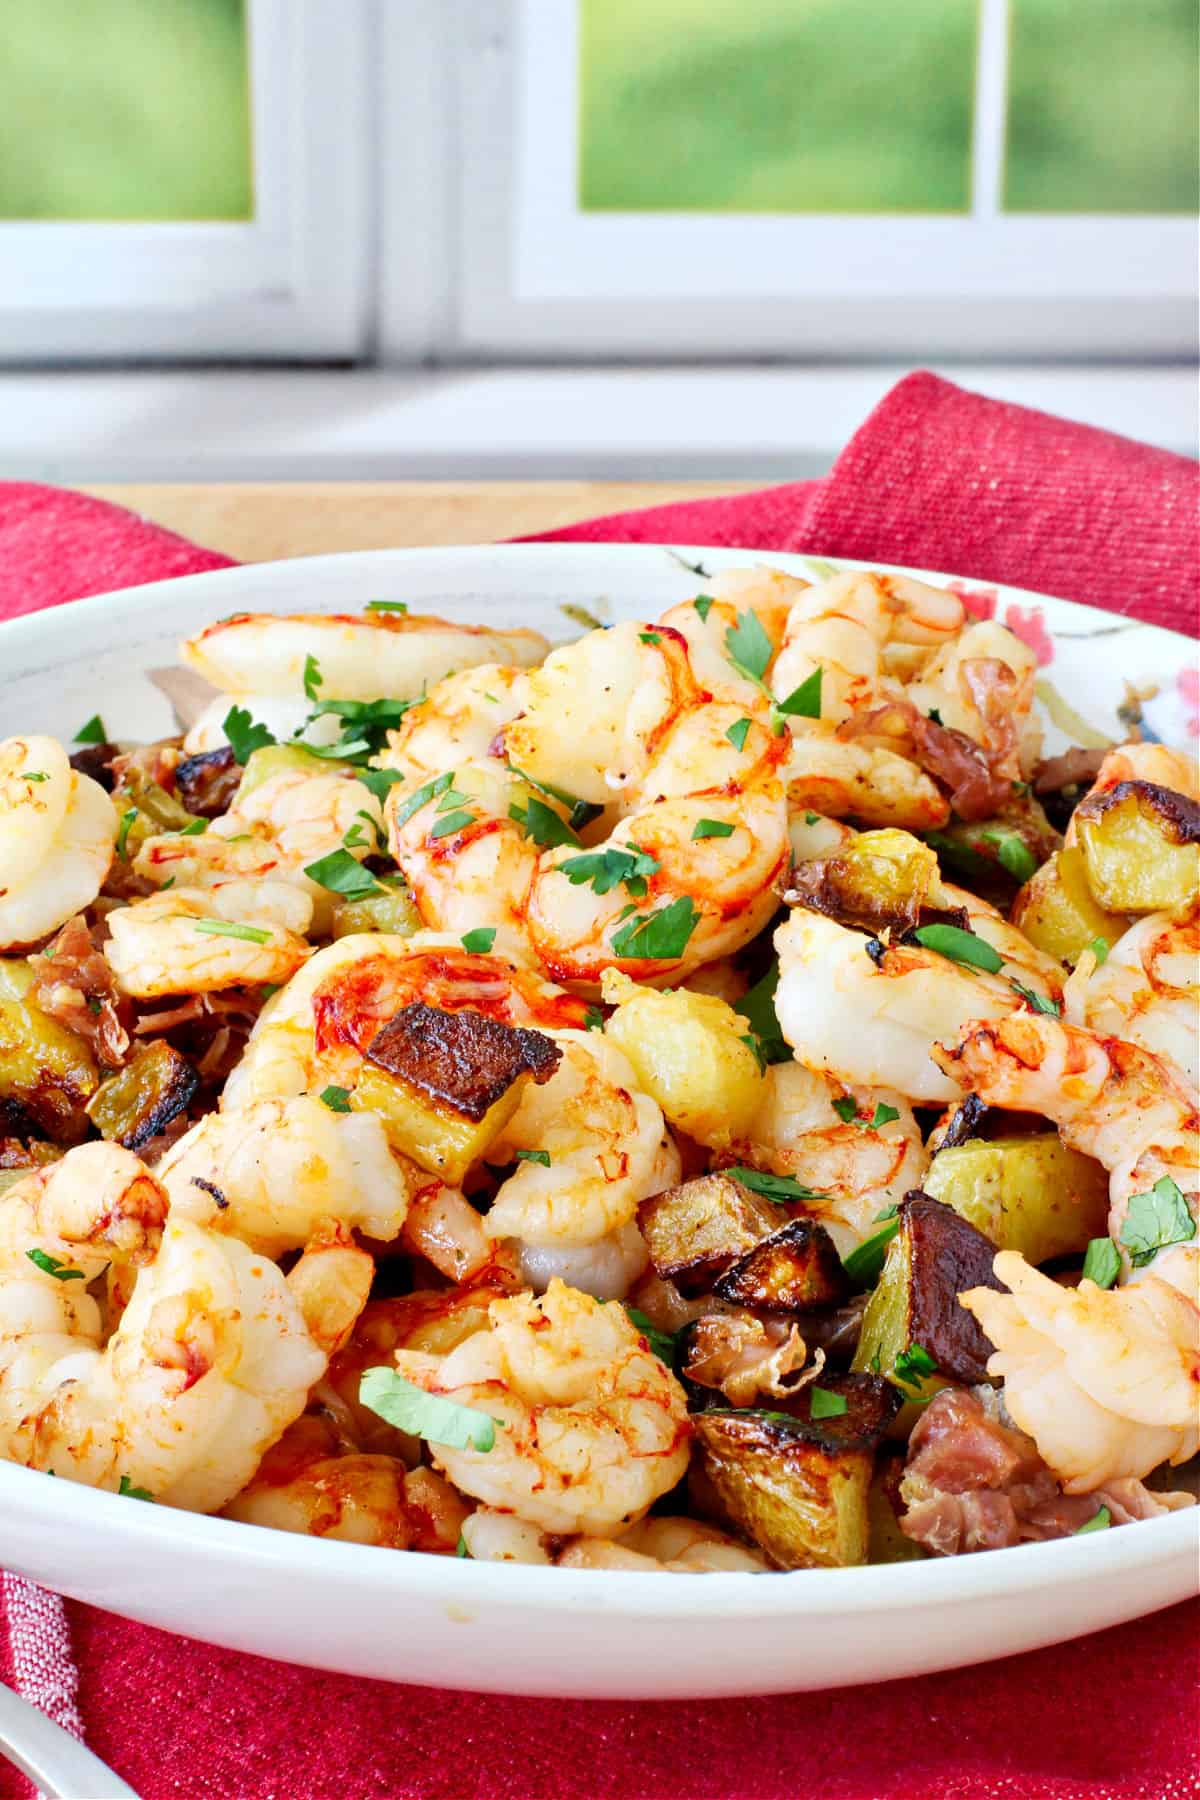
(795, 1269)
(695, 1231)
(797, 1486)
(45, 1069)
(877, 879)
(1141, 847)
(445, 1084)
(394, 911)
(690, 1054)
(141, 1100)
(1029, 1194)
(935, 1256)
(1058, 913)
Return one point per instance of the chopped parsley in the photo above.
(581, 812)
(1155, 1220)
(748, 647)
(380, 781)
(757, 1007)
(1101, 1262)
(428, 790)
(1013, 853)
(387, 606)
(127, 818)
(885, 1212)
(460, 1549)
(913, 1366)
(439, 1421)
(92, 733)
(711, 828)
(804, 702)
(337, 1099)
(1099, 1521)
(704, 604)
(661, 936)
(960, 946)
(662, 1343)
(365, 725)
(197, 828)
(542, 824)
(773, 1187)
(479, 941)
(847, 1111)
(1038, 1002)
(50, 1265)
(812, 818)
(738, 732)
(341, 873)
(33, 775)
(450, 822)
(756, 1050)
(312, 676)
(250, 934)
(865, 1261)
(534, 1156)
(593, 1019)
(126, 1488)
(824, 1404)
(245, 737)
(1099, 949)
(604, 870)
(650, 637)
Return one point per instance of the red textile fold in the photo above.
(938, 478)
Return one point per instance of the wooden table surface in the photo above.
(257, 521)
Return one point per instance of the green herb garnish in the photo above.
(534, 1156)
(1155, 1220)
(711, 828)
(1013, 853)
(738, 733)
(439, 1421)
(542, 824)
(804, 702)
(126, 1488)
(479, 941)
(757, 1007)
(197, 828)
(245, 737)
(662, 1343)
(580, 615)
(650, 637)
(337, 1099)
(913, 1366)
(387, 606)
(451, 822)
(604, 870)
(704, 604)
(50, 1265)
(847, 1111)
(660, 937)
(773, 1187)
(960, 946)
(91, 733)
(1099, 1521)
(823, 1404)
(1037, 1001)
(127, 818)
(312, 677)
(341, 873)
(865, 1261)
(1099, 949)
(1102, 1262)
(593, 1019)
(581, 813)
(748, 647)
(250, 934)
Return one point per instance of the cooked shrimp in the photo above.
(271, 1172)
(591, 1427)
(828, 774)
(874, 1022)
(1112, 1100)
(1148, 989)
(492, 1536)
(982, 684)
(666, 1546)
(57, 830)
(315, 1031)
(603, 1142)
(1107, 1383)
(767, 594)
(458, 721)
(857, 1168)
(311, 1483)
(444, 1228)
(745, 1357)
(606, 1269)
(211, 1360)
(331, 1284)
(844, 625)
(198, 940)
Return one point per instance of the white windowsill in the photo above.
(743, 423)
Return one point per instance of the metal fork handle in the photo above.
(59, 1765)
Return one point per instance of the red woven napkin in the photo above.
(941, 479)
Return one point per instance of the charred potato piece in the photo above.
(1030, 1194)
(445, 1084)
(136, 1104)
(1058, 912)
(797, 1267)
(46, 1070)
(207, 782)
(1141, 847)
(798, 1486)
(394, 911)
(17, 1158)
(695, 1231)
(879, 878)
(914, 1331)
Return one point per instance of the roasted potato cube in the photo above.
(394, 910)
(141, 1100)
(796, 1485)
(886, 1542)
(1030, 1194)
(1141, 847)
(445, 1084)
(879, 878)
(690, 1053)
(45, 1069)
(273, 759)
(695, 1231)
(18, 1157)
(797, 1267)
(207, 782)
(914, 1331)
(1058, 913)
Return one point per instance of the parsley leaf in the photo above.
(50, 1265)
(960, 946)
(387, 606)
(1155, 1220)
(704, 604)
(748, 647)
(1013, 853)
(1099, 1521)
(460, 1549)
(365, 724)
(428, 790)
(757, 1007)
(662, 1343)
(337, 1099)
(582, 811)
(126, 1488)
(403, 1404)
(341, 873)
(847, 1111)
(738, 733)
(127, 818)
(33, 775)
(865, 1261)
(661, 936)
(1102, 1262)
(756, 1050)
(92, 733)
(197, 828)
(450, 822)
(245, 737)
(650, 637)
(711, 828)
(250, 934)
(1099, 949)
(823, 1404)
(380, 781)
(913, 1365)
(479, 941)
(1037, 1001)
(543, 824)
(312, 676)
(534, 1156)
(593, 1019)
(773, 1187)
(804, 702)
(605, 869)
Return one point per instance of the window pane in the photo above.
(842, 106)
(124, 109)
(1102, 107)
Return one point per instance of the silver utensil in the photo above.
(57, 1763)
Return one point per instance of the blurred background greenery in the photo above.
(866, 105)
(124, 109)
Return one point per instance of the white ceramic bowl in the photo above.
(504, 1628)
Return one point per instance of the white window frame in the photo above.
(513, 268)
(292, 282)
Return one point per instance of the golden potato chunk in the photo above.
(394, 911)
(1058, 912)
(796, 1269)
(1141, 847)
(141, 1100)
(880, 878)
(46, 1070)
(1030, 1194)
(695, 1231)
(691, 1053)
